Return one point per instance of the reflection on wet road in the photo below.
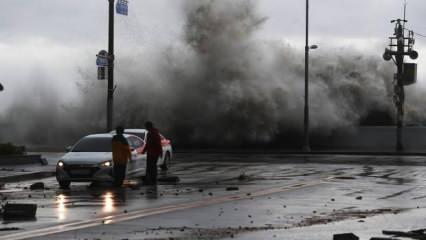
(62, 210)
(221, 194)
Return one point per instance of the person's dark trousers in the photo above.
(151, 170)
(119, 174)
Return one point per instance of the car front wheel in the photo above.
(64, 184)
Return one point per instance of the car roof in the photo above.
(139, 130)
(136, 130)
(104, 135)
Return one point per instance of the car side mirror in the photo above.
(68, 149)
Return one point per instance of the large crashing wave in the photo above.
(222, 85)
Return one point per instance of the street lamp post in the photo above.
(306, 144)
(110, 97)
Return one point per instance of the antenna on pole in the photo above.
(405, 12)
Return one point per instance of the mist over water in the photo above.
(221, 85)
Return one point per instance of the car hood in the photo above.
(86, 157)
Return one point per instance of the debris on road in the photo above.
(19, 211)
(243, 177)
(9, 229)
(232, 189)
(383, 238)
(345, 236)
(169, 179)
(344, 177)
(415, 234)
(37, 186)
(339, 215)
(359, 198)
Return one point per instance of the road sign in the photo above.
(122, 7)
(102, 61)
(102, 58)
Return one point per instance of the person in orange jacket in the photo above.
(153, 150)
(121, 154)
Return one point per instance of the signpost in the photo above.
(102, 63)
(102, 58)
(105, 60)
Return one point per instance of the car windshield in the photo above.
(91, 144)
(141, 135)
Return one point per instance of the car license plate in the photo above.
(80, 171)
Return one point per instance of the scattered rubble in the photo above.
(232, 189)
(169, 179)
(344, 177)
(243, 177)
(19, 211)
(415, 234)
(382, 238)
(339, 215)
(37, 186)
(345, 236)
(9, 229)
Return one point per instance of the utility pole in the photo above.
(399, 87)
(406, 72)
(110, 97)
(306, 144)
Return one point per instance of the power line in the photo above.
(420, 35)
(416, 33)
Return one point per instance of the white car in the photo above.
(163, 161)
(90, 160)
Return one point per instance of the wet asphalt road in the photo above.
(274, 197)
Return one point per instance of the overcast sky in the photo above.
(54, 37)
(79, 21)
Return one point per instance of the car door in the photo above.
(137, 163)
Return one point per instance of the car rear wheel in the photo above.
(64, 184)
(166, 162)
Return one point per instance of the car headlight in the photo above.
(60, 163)
(106, 164)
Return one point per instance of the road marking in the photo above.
(116, 218)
